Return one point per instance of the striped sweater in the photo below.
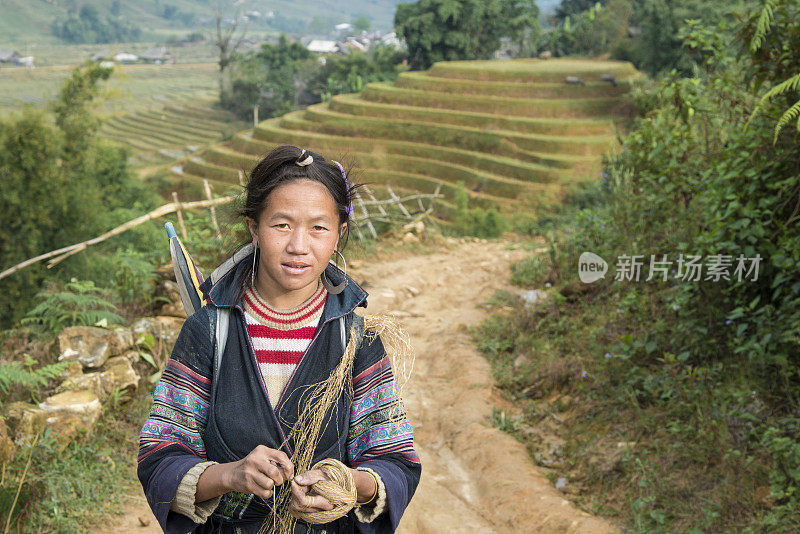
(280, 337)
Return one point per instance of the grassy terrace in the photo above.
(160, 135)
(513, 131)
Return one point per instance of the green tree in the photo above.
(87, 26)
(569, 8)
(447, 30)
(55, 175)
(524, 27)
(275, 78)
(361, 24)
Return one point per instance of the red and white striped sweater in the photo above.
(281, 336)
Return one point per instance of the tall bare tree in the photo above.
(226, 42)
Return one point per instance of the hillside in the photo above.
(23, 22)
(513, 131)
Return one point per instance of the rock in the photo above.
(561, 483)
(532, 296)
(451, 241)
(547, 54)
(388, 294)
(132, 356)
(92, 346)
(68, 414)
(166, 272)
(164, 329)
(6, 446)
(88, 381)
(419, 227)
(408, 237)
(143, 521)
(521, 360)
(413, 291)
(173, 308)
(33, 421)
(73, 369)
(13, 413)
(117, 374)
(82, 403)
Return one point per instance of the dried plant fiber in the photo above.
(317, 399)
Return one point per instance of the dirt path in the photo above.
(474, 476)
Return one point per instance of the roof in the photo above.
(8, 55)
(318, 45)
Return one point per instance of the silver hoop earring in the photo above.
(253, 272)
(335, 289)
(343, 260)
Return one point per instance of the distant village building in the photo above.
(343, 27)
(9, 56)
(26, 61)
(390, 39)
(323, 47)
(158, 56)
(124, 57)
(102, 55)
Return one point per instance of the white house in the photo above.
(323, 47)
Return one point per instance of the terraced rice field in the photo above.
(513, 131)
(130, 87)
(161, 135)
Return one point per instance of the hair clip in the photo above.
(350, 212)
(307, 161)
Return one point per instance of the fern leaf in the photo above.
(792, 84)
(791, 114)
(15, 374)
(762, 27)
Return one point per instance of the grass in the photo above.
(424, 81)
(352, 104)
(533, 70)
(68, 491)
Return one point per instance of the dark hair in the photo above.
(282, 166)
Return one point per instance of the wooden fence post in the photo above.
(366, 216)
(371, 196)
(241, 178)
(180, 215)
(399, 203)
(213, 211)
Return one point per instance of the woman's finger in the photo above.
(261, 485)
(303, 502)
(310, 477)
(283, 461)
(272, 471)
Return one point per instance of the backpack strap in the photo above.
(220, 339)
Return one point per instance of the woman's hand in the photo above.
(303, 500)
(259, 472)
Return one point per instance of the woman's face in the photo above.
(296, 233)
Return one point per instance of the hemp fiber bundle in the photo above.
(317, 399)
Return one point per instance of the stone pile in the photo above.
(104, 362)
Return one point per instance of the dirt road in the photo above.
(475, 478)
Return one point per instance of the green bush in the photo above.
(703, 376)
(478, 222)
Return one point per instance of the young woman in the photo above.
(215, 447)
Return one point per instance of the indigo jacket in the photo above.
(194, 420)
